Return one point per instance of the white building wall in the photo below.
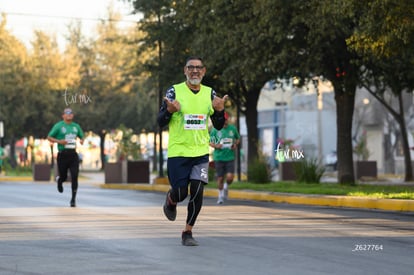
(298, 114)
(303, 128)
(375, 141)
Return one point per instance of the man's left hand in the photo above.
(218, 103)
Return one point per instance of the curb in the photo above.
(16, 178)
(321, 200)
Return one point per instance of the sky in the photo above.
(53, 16)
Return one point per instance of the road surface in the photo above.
(125, 232)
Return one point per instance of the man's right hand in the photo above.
(172, 106)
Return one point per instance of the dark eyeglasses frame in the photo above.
(192, 68)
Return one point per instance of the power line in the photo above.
(66, 17)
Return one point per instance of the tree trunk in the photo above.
(404, 141)
(251, 123)
(13, 162)
(389, 163)
(154, 153)
(345, 100)
(102, 135)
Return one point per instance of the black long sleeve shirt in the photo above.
(164, 117)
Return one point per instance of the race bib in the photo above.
(71, 142)
(195, 122)
(226, 143)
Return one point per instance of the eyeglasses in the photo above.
(192, 68)
(68, 112)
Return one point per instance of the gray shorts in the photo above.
(224, 167)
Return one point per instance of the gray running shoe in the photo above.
(187, 239)
(170, 211)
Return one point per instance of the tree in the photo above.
(280, 39)
(14, 109)
(313, 44)
(167, 49)
(235, 57)
(30, 85)
(384, 39)
(270, 40)
(108, 79)
(52, 73)
(232, 67)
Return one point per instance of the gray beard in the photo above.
(194, 81)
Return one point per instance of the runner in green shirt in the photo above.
(65, 134)
(224, 142)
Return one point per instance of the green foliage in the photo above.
(14, 93)
(268, 39)
(129, 147)
(258, 171)
(360, 149)
(17, 171)
(49, 80)
(309, 171)
(167, 40)
(386, 29)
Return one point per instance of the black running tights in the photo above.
(195, 202)
(69, 161)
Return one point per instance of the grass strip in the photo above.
(359, 190)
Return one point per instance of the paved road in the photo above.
(125, 232)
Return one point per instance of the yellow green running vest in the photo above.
(188, 128)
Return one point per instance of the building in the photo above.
(382, 132)
(306, 116)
